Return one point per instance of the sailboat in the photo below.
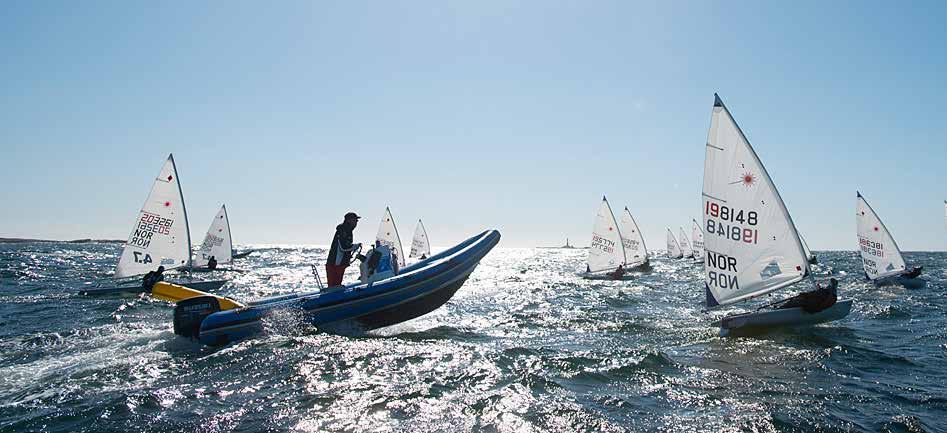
(752, 246)
(686, 250)
(697, 235)
(674, 248)
(388, 235)
(217, 242)
(881, 257)
(606, 258)
(811, 258)
(159, 237)
(420, 245)
(567, 246)
(636, 253)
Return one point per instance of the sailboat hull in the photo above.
(204, 286)
(242, 254)
(765, 321)
(901, 280)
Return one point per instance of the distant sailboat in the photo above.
(636, 253)
(217, 242)
(752, 245)
(674, 248)
(606, 252)
(160, 236)
(567, 246)
(388, 235)
(881, 256)
(697, 235)
(811, 258)
(686, 250)
(420, 245)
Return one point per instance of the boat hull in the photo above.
(242, 254)
(204, 286)
(417, 290)
(765, 321)
(905, 279)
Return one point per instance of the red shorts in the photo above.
(334, 274)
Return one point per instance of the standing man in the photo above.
(340, 253)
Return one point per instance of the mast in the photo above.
(187, 227)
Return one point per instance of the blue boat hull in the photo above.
(416, 290)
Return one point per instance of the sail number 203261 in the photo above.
(727, 222)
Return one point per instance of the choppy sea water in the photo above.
(524, 346)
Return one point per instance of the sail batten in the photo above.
(420, 245)
(160, 235)
(218, 242)
(607, 251)
(388, 235)
(751, 243)
(635, 250)
(880, 254)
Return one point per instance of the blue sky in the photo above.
(511, 115)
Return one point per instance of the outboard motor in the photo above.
(189, 313)
(378, 264)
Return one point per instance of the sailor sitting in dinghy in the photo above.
(617, 273)
(816, 300)
(152, 278)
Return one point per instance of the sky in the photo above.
(511, 115)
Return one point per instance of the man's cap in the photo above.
(352, 215)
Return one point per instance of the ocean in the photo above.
(524, 346)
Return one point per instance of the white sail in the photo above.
(606, 251)
(751, 243)
(388, 235)
(420, 245)
(697, 235)
(217, 243)
(160, 236)
(674, 248)
(686, 249)
(636, 252)
(880, 254)
(805, 248)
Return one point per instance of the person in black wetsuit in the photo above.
(816, 300)
(212, 263)
(617, 273)
(340, 253)
(152, 278)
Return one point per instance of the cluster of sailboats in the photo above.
(747, 241)
(161, 236)
(160, 241)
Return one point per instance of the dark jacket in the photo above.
(150, 279)
(340, 253)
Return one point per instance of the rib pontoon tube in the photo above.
(416, 290)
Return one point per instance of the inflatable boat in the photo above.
(369, 304)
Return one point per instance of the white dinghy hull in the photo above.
(761, 322)
(901, 280)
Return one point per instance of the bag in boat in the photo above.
(378, 264)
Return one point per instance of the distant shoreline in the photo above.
(75, 241)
